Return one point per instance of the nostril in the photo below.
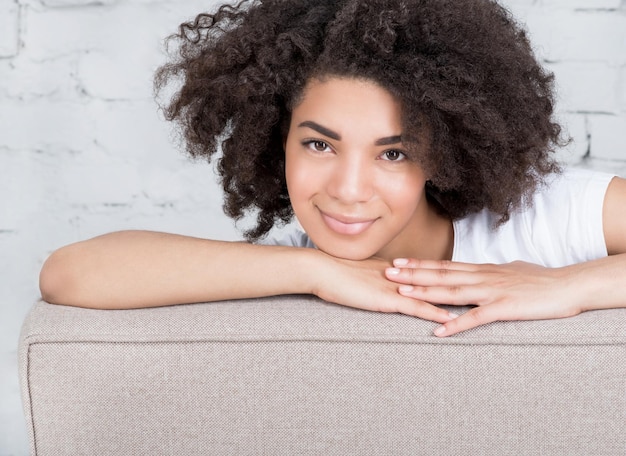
(351, 185)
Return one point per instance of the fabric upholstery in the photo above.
(295, 375)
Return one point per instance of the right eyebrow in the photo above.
(320, 129)
(337, 137)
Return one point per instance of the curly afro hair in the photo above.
(463, 69)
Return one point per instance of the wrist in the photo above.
(315, 264)
(592, 284)
(303, 270)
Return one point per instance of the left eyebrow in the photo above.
(388, 141)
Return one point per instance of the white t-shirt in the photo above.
(562, 226)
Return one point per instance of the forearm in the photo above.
(144, 269)
(599, 284)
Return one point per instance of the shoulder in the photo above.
(561, 224)
(292, 236)
(613, 217)
(572, 184)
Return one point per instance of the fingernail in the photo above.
(440, 331)
(405, 289)
(400, 262)
(452, 315)
(393, 271)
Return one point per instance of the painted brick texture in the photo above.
(83, 149)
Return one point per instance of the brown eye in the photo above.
(394, 155)
(316, 146)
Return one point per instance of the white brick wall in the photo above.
(584, 43)
(83, 150)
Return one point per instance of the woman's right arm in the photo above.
(133, 269)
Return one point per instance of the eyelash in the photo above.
(312, 143)
(401, 155)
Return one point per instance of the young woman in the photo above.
(412, 141)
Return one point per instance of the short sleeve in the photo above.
(291, 237)
(566, 220)
(561, 226)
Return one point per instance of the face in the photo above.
(352, 185)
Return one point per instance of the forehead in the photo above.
(345, 101)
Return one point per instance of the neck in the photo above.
(429, 236)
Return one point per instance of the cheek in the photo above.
(298, 176)
(404, 191)
(291, 172)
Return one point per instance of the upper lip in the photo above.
(348, 219)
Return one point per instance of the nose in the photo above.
(351, 180)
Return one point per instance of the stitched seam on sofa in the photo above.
(256, 339)
(30, 400)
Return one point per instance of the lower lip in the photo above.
(351, 229)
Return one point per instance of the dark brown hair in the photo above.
(462, 68)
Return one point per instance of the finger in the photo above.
(424, 311)
(458, 295)
(433, 277)
(473, 318)
(434, 264)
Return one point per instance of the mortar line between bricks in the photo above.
(21, 18)
(18, 33)
(597, 10)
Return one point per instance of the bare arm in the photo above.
(133, 269)
(146, 269)
(522, 291)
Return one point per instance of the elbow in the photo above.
(55, 279)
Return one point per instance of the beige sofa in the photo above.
(294, 375)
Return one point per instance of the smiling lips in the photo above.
(348, 226)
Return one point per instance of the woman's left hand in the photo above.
(513, 291)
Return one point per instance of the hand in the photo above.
(362, 284)
(513, 291)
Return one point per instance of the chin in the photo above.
(347, 252)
